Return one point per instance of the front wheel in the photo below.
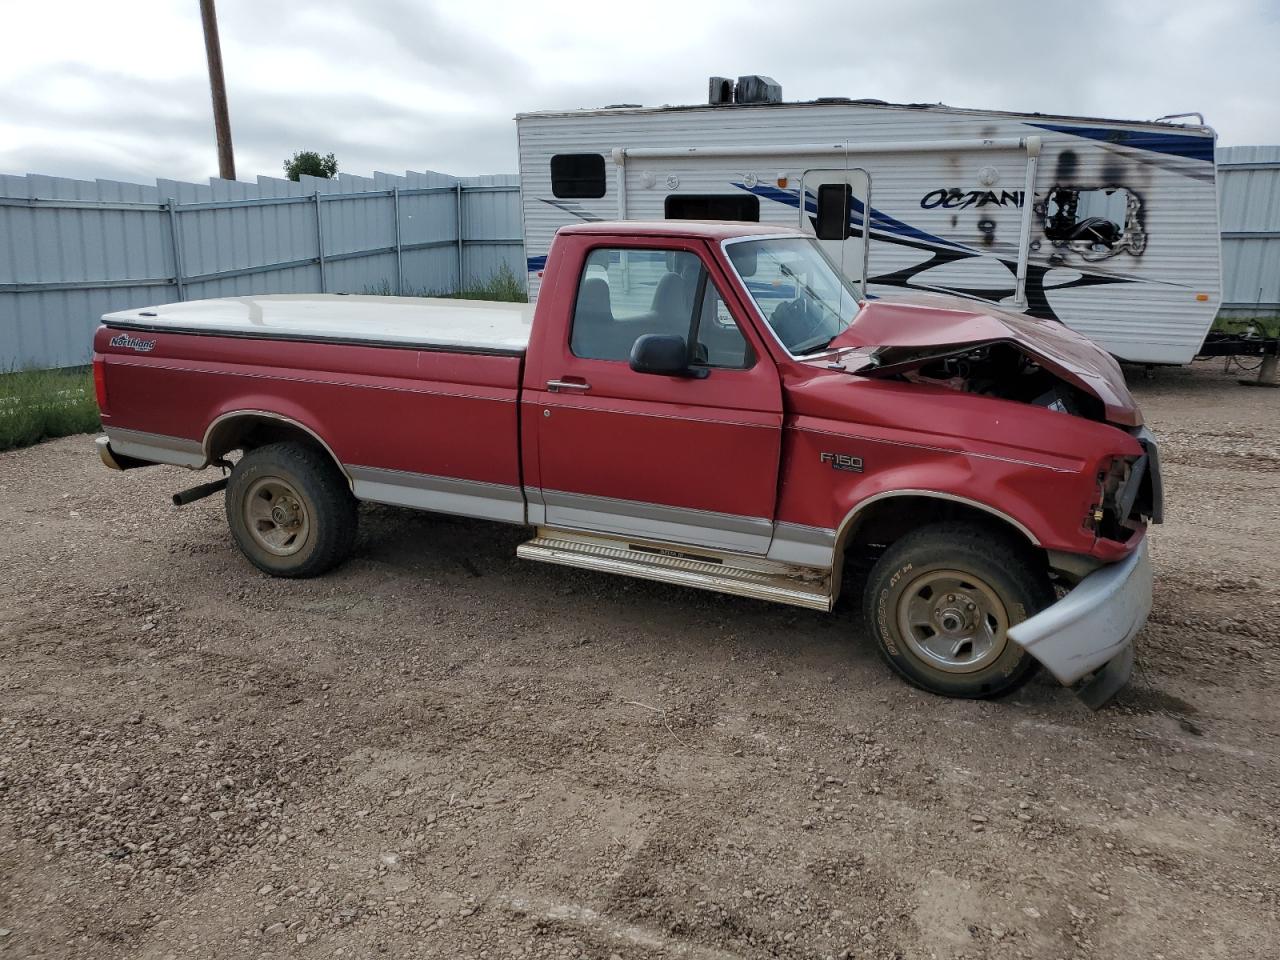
(290, 510)
(940, 603)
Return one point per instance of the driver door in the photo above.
(688, 460)
(841, 199)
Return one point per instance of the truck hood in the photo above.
(888, 338)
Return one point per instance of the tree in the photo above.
(312, 164)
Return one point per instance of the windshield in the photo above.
(801, 294)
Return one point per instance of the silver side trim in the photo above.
(709, 570)
(157, 448)
(467, 498)
(804, 545)
(937, 495)
(536, 508)
(654, 521)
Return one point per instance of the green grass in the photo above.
(1265, 326)
(39, 405)
(503, 286)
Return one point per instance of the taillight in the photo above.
(100, 383)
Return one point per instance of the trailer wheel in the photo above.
(941, 600)
(290, 510)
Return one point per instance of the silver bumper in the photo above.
(117, 460)
(1090, 631)
(106, 453)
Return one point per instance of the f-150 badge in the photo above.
(842, 461)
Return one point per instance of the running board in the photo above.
(686, 566)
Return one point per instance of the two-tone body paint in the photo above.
(709, 448)
(419, 412)
(733, 461)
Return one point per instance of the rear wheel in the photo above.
(940, 603)
(290, 510)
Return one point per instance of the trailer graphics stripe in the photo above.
(892, 230)
(1192, 147)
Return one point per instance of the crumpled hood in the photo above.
(888, 337)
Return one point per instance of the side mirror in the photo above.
(664, 355)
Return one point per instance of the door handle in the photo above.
(555, 386)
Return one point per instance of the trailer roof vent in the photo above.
(720, 90)
(757, 89)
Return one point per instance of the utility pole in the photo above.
(218, 90)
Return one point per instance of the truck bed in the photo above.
(466, 326)
(416, 399)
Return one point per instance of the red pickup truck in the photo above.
(711, 405)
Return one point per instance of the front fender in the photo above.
(1046, 497)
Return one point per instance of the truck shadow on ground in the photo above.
(477, 558)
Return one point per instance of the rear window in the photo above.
(712, 206)
(577, 176)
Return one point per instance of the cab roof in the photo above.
(699, 229)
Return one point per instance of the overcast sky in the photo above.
(119, 89)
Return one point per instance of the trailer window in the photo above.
(577, 176)
(624, 294)
(712, 206)
(835, 211)
(1094, 223)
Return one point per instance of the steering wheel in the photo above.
(798, 324)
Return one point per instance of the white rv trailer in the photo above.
(1120, 242)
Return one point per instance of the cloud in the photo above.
(423, 84)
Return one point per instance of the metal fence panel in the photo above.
(491, 226)
(1249, 198)
(71, 250)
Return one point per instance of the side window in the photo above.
(719, 342)
(625, 294)
(712, 206)
(577, 176)
(834, 210)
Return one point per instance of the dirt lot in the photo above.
(441, 751)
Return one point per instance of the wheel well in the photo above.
(881, 523)
(251, 430)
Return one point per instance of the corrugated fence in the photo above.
(1249, 200)
(72, 250)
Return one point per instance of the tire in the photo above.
(940, 601)
(290, 510)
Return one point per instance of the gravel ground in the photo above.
(439, 750)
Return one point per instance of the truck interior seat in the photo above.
(594, 329)
(594, 301)
(672, 304)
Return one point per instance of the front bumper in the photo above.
(1089, 632)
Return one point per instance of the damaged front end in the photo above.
(1085, 639)
(945, 341)
(1130, 492)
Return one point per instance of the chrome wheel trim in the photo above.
(953, 621)
(276, 516)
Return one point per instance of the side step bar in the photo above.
(686, 566)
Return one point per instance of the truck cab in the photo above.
(713, 405)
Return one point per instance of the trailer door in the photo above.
(834, 210)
